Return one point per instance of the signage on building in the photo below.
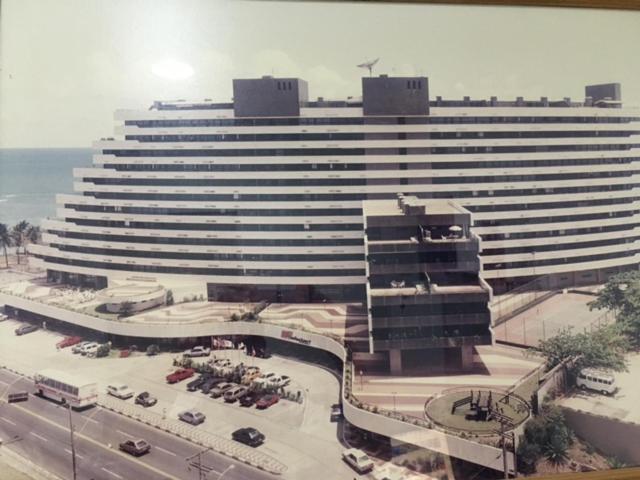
(292, 337)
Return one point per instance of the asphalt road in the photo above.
(39, 431)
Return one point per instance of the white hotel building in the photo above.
(262, 198)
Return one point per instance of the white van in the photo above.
(596, 380)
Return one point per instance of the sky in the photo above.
(67, 65)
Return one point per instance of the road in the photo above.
(39, 431)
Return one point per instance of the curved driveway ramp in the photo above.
(221, 445)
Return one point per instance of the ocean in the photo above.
(31, 178)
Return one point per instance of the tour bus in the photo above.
(66, 388)
(596, 380)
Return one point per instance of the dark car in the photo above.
(249, 399)
(267, 400)
(210, 384)
(194, 385)
(146, 400)
(26, 329)
(248, 436)
(135, 447)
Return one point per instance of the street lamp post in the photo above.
(394, 401)
(73, 445)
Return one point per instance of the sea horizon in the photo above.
(31, 177)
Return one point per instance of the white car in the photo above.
(198, 351)
(265, 379)
(120, 390)
(358, 460)
(194, 417)
(89, 348)
(280, 381)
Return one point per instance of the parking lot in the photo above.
(299, 434)
(623, 405)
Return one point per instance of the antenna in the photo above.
(369, 65)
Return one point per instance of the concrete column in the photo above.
(395, 362)
(466, 356)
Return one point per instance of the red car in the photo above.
(180, 374)
(267, 400)
(68, 342)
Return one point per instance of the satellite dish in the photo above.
(369, 65)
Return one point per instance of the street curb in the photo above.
(24, 465)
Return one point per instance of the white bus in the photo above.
(66, 388)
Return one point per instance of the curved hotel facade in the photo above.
(262, 198)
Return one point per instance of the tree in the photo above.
(556, 451)
(528, 454)
(5, 241)
(603, 348)
(621, 295)
(34, 234)
(19, 237)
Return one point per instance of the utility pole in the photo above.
(202, 472)
(73, 445)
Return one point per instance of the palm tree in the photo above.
(556, 451)
(5, 241)
(34, 234)
(19, 236)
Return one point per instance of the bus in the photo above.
(66, 388)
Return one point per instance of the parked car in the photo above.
(248, 436)
(194, 385)
(68, 342)
(153, 350)
(250, 374)
(194, 417)
(336, 412)
(220, 362)
(235, 393)
(264, 379)
(180, 375)
(135, 447)
(265, 401)
(90, 347)
(219, 389)
(210, 383)
(146, 400)
(120, 390)
(597, 380)
(280, 381)
(3, 317)
(198, 351)
(91, 350)
(77, 348)
(358, 460)
(249, 399)
(24, 329)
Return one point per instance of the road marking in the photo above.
(126, 434)
(39, 436)
(8, 421)
(124, 456)
(71, 453)
(111, 473)
(165, 451)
